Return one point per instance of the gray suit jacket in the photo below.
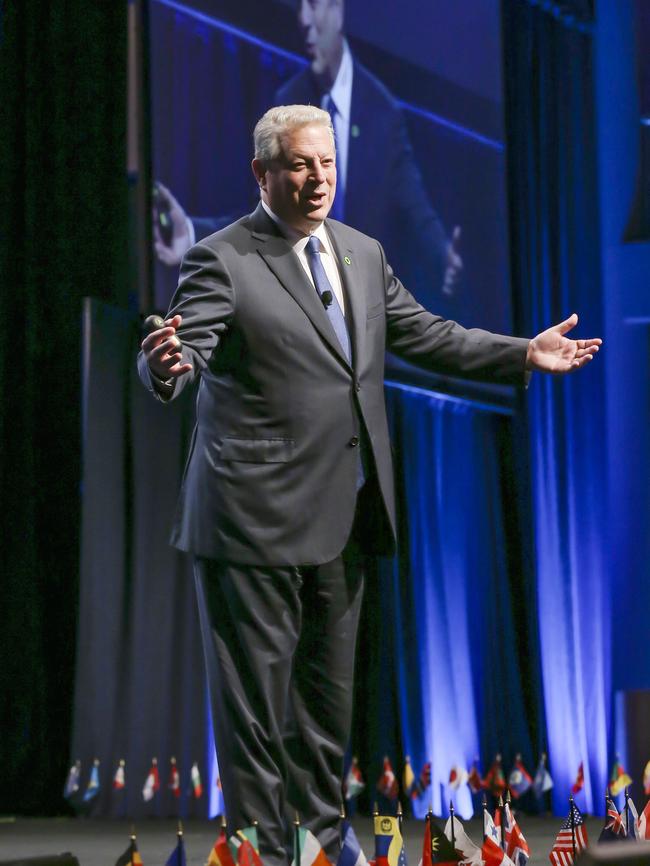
(272, 471)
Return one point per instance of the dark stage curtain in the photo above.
(556, 270)
(63, 235)
(139, 686)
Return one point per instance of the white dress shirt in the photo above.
(298, 242)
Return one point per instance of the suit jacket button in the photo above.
(353, 442)
(357, 386)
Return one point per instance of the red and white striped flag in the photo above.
(562, 851)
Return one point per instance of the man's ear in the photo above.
(259, 171)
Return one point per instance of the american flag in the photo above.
(562, 851)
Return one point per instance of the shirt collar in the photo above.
(297, 239)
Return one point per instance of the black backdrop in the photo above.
(63, 235)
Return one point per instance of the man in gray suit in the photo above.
(285, 317)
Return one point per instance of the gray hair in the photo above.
(270, 128)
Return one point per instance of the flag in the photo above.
(354, 783)
(458, 776)
(461, 840)
(436, 847)
(491, 830)
(351, 853)
(220, 854)
(177, 857)
(422, 782)
(309, 851)
(389, 847)
(618, 779)
(416, 787)
(119, 779)
(387, 783)
(516, 846)
(221, 803)
(474, 779)
(72, 782)
(93, 783)
(562, 851)
(195, 776)
(131, 856)
(495, 780)
(631, 819)
(614, 829)
(646, 779)
(580, 780)
(643, 824)
(152, 782)
(543, 781)
(245, 848)
(174, 783)
(408, 777)
(493, 854)
(519, 780)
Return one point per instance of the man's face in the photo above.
(299, 185)
(321, 22)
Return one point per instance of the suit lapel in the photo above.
(353, 283)
(283, 262)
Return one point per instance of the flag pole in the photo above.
(179, 838)
(453, 831)
(400, 816)
(502, 828)
(627, 812)
(375, 815)
(429, 820)
(573, 827)
(132, 845)
(342, 817)
(297, 856)
(484, 811)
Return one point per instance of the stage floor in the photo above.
(99, 842)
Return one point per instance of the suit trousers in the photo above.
(279, 647)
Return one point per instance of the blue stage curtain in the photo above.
(457, 662)
(555, 270)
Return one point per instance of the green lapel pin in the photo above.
(347, 260)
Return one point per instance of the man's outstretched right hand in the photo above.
(162, 350)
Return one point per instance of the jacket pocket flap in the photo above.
(375, 310)
(257, 450)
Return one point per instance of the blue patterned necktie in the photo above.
(336, 317)
(333, 309)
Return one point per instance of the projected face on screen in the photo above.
(321, 23)
(418, 127)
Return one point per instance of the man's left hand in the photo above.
(552, 352)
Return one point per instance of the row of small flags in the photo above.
(152, 784)
(503, 843)
(518, 781)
